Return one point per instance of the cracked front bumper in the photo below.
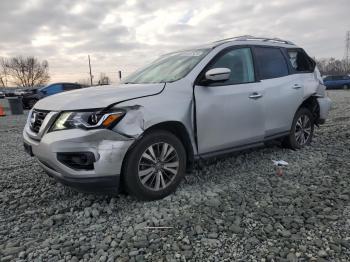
(108, 147)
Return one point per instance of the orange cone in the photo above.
(2, 111)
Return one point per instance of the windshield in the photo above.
(168, 68)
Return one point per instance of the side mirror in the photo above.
(218, 74)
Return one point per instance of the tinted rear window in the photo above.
(270, 62)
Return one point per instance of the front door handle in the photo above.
(255, 95)
(296, 86)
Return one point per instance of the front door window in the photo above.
(240, 62)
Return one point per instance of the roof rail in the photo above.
(254, 38)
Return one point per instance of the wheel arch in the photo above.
(311, 103)
(176, 128)
(179, 130)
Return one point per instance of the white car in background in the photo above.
(222, 97)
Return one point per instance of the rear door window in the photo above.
(300, 61)
(270, 62)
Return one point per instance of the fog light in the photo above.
(77, 160)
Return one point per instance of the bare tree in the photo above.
(3, 72)
(104, 79)
(27, 71)
(84, 81)
(332, 66)
(2, 80)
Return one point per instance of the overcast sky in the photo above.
(124, 35)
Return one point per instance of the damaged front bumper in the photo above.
(107, 147)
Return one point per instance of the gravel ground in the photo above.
(233, 209)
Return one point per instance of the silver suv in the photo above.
(143, 135)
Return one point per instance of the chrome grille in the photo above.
(36, 120)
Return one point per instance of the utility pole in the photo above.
(90, 71)
(347, 52)
(120, 75)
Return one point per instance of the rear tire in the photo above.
(155, 166)
(302, 130)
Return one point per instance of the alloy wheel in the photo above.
(158, 166)
(303, 128)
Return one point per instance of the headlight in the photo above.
(86, 120)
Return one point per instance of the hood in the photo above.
(96, 97)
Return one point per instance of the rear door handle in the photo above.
(255, 95)
(296, 86)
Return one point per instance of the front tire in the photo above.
(155, 166)
(302, 130)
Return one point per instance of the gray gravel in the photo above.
(235, 208)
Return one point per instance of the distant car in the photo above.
(19, 92)
(2, 95)
(13, 92)
(31, 96)
(337, 82)
(9, 93)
